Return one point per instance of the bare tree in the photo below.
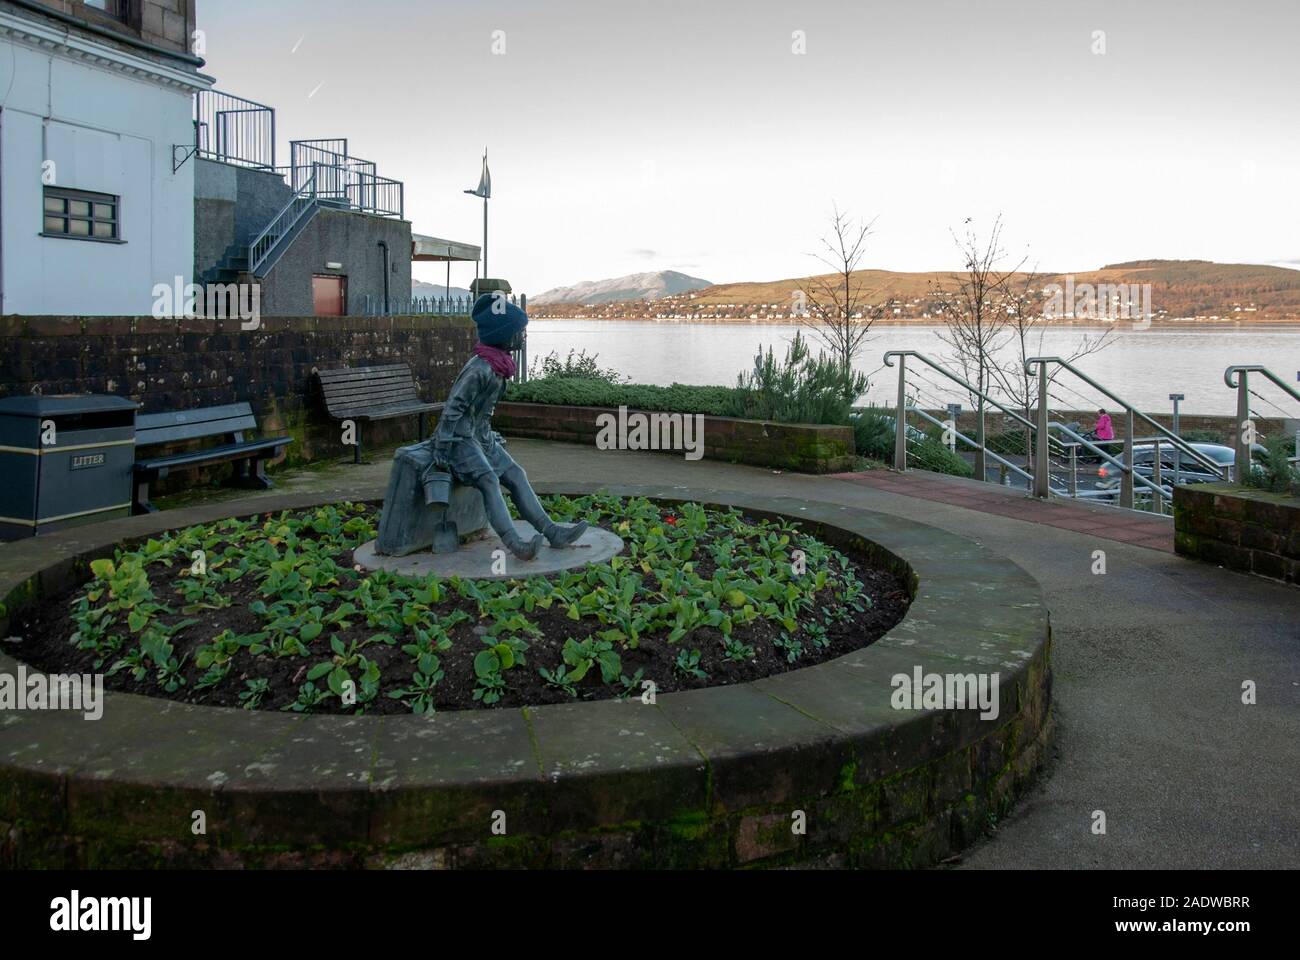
(973, 307)
(1026, 323)
(836, 308)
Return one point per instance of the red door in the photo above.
(330, 295)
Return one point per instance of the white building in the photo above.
(96, 205)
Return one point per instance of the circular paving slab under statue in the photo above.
(475, 559)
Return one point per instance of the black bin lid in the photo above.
(67, 405)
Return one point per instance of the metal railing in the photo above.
(1244, 432)
(1052, 467)
(1042, 472)
(231, 129)
(343, 180)
(416, 306)
(302, 202)
(981, 449)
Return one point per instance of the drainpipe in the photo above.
(383, 245)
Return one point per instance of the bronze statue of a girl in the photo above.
(466, 449)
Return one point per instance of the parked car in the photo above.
(1190, 470)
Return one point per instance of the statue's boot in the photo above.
(521, 548)
(531, 509)
(565, 534)
(499, 517)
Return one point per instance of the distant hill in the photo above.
(638, 286)
(420, 288)
(1180, 290)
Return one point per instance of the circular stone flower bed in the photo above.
(270, 613)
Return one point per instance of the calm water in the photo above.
(1143, 367)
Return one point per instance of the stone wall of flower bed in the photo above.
(804, 447)
(1240, 528)
(186, 363)
(715, 777)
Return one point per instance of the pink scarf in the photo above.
(502, 364)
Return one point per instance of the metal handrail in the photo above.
(1125, 468)
(261, 247)
(1177, 441)
(961, 436)
(956, 379)
(1244, 431)
(1256, 368)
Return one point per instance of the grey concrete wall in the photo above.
(351, 239)
(232, 205)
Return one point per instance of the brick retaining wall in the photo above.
(187, 363)
(807, 448)
(1239, 528)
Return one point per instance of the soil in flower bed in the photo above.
(269, 613)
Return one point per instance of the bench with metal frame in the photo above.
(228, 422)
(372, 393)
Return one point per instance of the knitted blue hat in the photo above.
(498, 319)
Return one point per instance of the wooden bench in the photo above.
(372, 393)
(228, 422)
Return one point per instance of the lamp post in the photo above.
(484, 190)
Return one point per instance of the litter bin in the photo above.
(64, 460)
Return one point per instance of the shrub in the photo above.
(873, 433)
(1203, 436)
(1275, 472)
(873, 438)
(931, 454)
(1003, 444)
(579, 367)
(590, 392)
(800, 389)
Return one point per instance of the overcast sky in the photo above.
(625, 137)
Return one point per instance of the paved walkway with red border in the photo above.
(1105, 523)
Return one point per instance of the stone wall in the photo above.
(1240, 528)
(163, 23)
(807, 448)
(181, 364)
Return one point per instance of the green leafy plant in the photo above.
(788, 645)
(631, 685)
(561, 677)
(309, 697)
(581, 656)
(419, 694)
(491, 664)
(255, 691)
(688, 664)
(737, 651)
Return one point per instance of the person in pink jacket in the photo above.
(1104, 430)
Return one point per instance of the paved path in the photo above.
(1149, 660)
(1105, 523)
